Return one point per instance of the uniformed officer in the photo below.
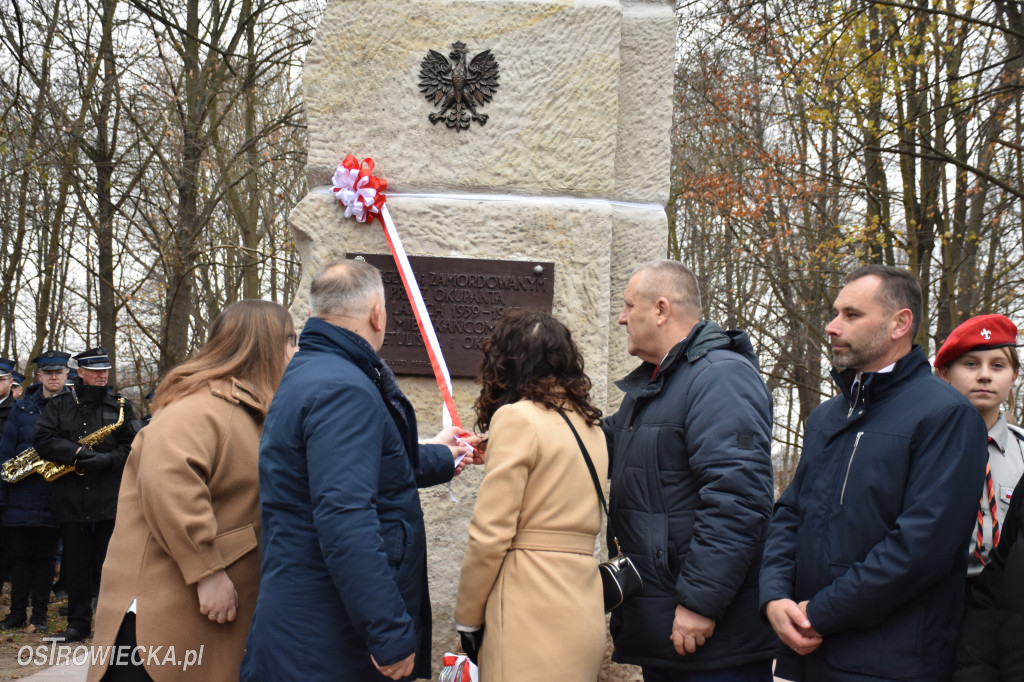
(85, 505)
(17, 390)
(6, 379)
(29, 530)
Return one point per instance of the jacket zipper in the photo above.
(856, 442)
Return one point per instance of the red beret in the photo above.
(983, 332)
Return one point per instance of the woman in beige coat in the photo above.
(182, 568)
(529, 576)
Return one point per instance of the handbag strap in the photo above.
(593, 476)
(590, 463)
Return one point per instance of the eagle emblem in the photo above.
(459, 88)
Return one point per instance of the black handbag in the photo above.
(619, 576)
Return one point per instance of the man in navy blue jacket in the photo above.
(343, 589)
(863, 571)
(691, 488)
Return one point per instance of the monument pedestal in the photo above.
(571, 167)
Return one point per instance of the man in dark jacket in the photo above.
(691, 488)
(85, 505)
(30, 532)
(343, 588)
(864, 567)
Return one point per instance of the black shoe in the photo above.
(39, 623)
(62, 610)
(12, 621)
(73, 634)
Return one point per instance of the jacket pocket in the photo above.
(232, 545)
(661, 551)
(895, 646)
(1005, 493)
(393, 537)
(405, 554)
(642, 625)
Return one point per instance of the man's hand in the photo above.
(808, 631)
(218, 599)
(457, 440)
(690, 630)
(791, 624)
(90, 462)
(395, 671)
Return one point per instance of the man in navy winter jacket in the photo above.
(691, 489)
(343, 588)
(864, 567)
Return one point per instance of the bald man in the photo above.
(692, 487)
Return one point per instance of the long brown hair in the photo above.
(247, 341)
(532, 356)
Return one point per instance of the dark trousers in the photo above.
(126, 638)
(5, 561)
(761, 671)
(85, 547)
(32, 550)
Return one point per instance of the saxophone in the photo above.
(29, 461)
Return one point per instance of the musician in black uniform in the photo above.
(84, 503)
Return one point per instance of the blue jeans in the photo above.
(761, 671)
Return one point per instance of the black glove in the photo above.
(91, 462)
(471, 642)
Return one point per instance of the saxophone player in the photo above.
(84, 505)
(7, 366)
(29, 531)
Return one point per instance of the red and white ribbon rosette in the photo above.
(358, 189)
(362, 195)
(457, 668)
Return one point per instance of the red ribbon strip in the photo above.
(435, 364)
(354, 198)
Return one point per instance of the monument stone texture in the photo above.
(571, 168)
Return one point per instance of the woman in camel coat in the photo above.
(529, 576)
(182, 568)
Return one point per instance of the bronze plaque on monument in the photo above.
(465, 297)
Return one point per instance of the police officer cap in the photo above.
(18, 378)
(983, 332)
(94, 358)
(51, 360)
(6, 366)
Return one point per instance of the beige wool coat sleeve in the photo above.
(529, 573)
(188, 507)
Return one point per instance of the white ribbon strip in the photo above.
(417, 301)
(324, 189)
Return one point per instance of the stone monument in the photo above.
(570, 168)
